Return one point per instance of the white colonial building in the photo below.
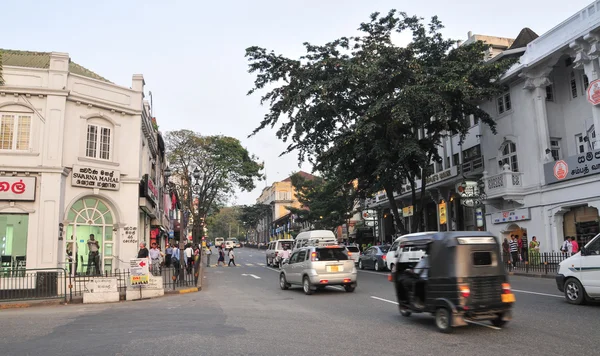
(79, 155)
(541, 168)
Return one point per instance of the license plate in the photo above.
(508, 298)
(335, 268)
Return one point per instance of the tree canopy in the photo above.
(224, 222)
(325, 204)
(251, 215)
(364, 108)
(223, 166)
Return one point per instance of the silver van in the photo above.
(316, 267)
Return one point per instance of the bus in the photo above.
(219, 241)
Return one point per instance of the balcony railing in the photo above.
(506, 184)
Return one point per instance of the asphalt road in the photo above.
(242, 311)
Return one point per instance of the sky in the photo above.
(191, 53)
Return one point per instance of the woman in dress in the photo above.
(534, 252)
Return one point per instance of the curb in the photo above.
(520, 274)
(184, 291)
(36, 303)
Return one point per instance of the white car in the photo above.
(409, 255)
(353, 253)
(229, 244)
(579, 275)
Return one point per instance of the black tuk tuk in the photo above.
(461, 280)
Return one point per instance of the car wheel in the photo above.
(349, 288)
(306, 286)
(360, 265)
(498, 322)
(377, 268)
(405, 312)
(268, 262)
(283, 284)
(443, 320)
(574, 292)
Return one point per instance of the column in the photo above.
(586, 58)
(536, 82)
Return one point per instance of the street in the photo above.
(242, 311)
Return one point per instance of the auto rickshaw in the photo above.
(465, 281)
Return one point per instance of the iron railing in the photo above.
(34, 283)
(535, 263)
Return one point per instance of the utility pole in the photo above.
(229, 230)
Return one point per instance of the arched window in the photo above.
(509, 155)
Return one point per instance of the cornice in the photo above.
(86, 100)
(11, 89)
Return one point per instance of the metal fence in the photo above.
(535, 263)
(29, 284)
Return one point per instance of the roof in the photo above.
(41, 60)
(525, 36)
(303, 174)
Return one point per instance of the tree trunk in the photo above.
(398, 223)
(413, 198)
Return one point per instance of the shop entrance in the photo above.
(581, 222)
(89, 216)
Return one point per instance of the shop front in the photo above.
(581, 222)
(509, 223)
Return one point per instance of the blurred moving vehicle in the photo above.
(229, 244)
(579, 275)
(374, 257)
(460, 279)
(235, 241)
(316, 267)
(275, 250)
(219, 241)
(409, 255)
(315, 238)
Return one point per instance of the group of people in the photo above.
(171, 257)
(570, 246)
(518, 250)
(222, 251)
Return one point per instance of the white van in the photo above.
(407, 255)
(219, 241)
(315, 238)
(579, 275)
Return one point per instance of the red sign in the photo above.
(593, 92)
(561, 169)
(17, 188)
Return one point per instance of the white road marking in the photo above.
(385, 300)
(536, 293)
(373, 272)
(261, 264)
(251, 275)
(249, 264)
(272, 269)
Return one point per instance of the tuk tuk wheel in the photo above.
(498, 322)
(443, 320)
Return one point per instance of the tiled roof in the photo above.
(303, 174)
(42, 60)
(525, 36)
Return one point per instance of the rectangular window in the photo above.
(455, 160)
(586, 83)
(447, 162)
(13, 239)
(471, 153)
(439, 166)
(550, 93)
(573, 86)
(555, 148)
(98, 147)
(591, 137)
(579, 144)
(482, 258)
(15, 132)
(504, 103)
(331, 254)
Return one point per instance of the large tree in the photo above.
(364, 108)
(325, 204)
(251, 215)
(225, 222)
(222, 165)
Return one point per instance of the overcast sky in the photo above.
(191, 53)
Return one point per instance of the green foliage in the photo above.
(224, 165)
(224, 221)
(326, 204)
(363, 108)
(250, 215)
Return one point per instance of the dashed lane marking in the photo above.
(373, 272)
(385, 300)
(536, 293)
(249, 264)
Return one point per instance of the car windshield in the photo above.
(331, 254)
(384, 249)
(352, 249)
(287, 245)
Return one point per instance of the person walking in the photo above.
(175, 257)
(566, 246)
(208, 253)
(574, 245)
(221, 257)
(231, 258)
(154, 260)
(143, 252)
(169, 252)
(514, 251)
(189, 261)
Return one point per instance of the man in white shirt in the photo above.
(155, 260)
(189, 261)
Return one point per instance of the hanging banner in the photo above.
(442, 212)
(408, 211)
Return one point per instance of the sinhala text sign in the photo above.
(582, 165)
(139, 271)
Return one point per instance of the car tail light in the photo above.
(465, 291)
(323, 281)
(390, 277)
(506, 288)
(384, 257)
(347, 280)
(349, 253)
(313, 256)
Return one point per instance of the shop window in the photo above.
(15, 131)
(591, 136)
(13, 240)
(555, 148)
(509, 155)
(98, 142)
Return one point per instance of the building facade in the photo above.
(79, 155)
(541, 167)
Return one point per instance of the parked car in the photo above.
(353, 253)
(411, 255)
(316, 267)
(275, 249)
(374, 257)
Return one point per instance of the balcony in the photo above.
(472, 167)
(507, 185)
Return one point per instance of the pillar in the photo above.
(586, 58)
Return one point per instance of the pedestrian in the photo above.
(175, 257)
(221, 256)
(514, 250)
(574, 245)
(93, 255)
(189, 261)
(566, 246)
(169, 252)
(208, 253)
(143, 252)
(154, 260)
(506, 249)
(534, 251)
(231, 258)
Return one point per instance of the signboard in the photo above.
(442, 213)
(17, 188)
(369, 215)
(593, 92)
(139, 274)
(408, 211)
(479, 217)
(151, 191)
(101, 285)
(470, 194)
(88, 177)
(511, 216)
(582, 165)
